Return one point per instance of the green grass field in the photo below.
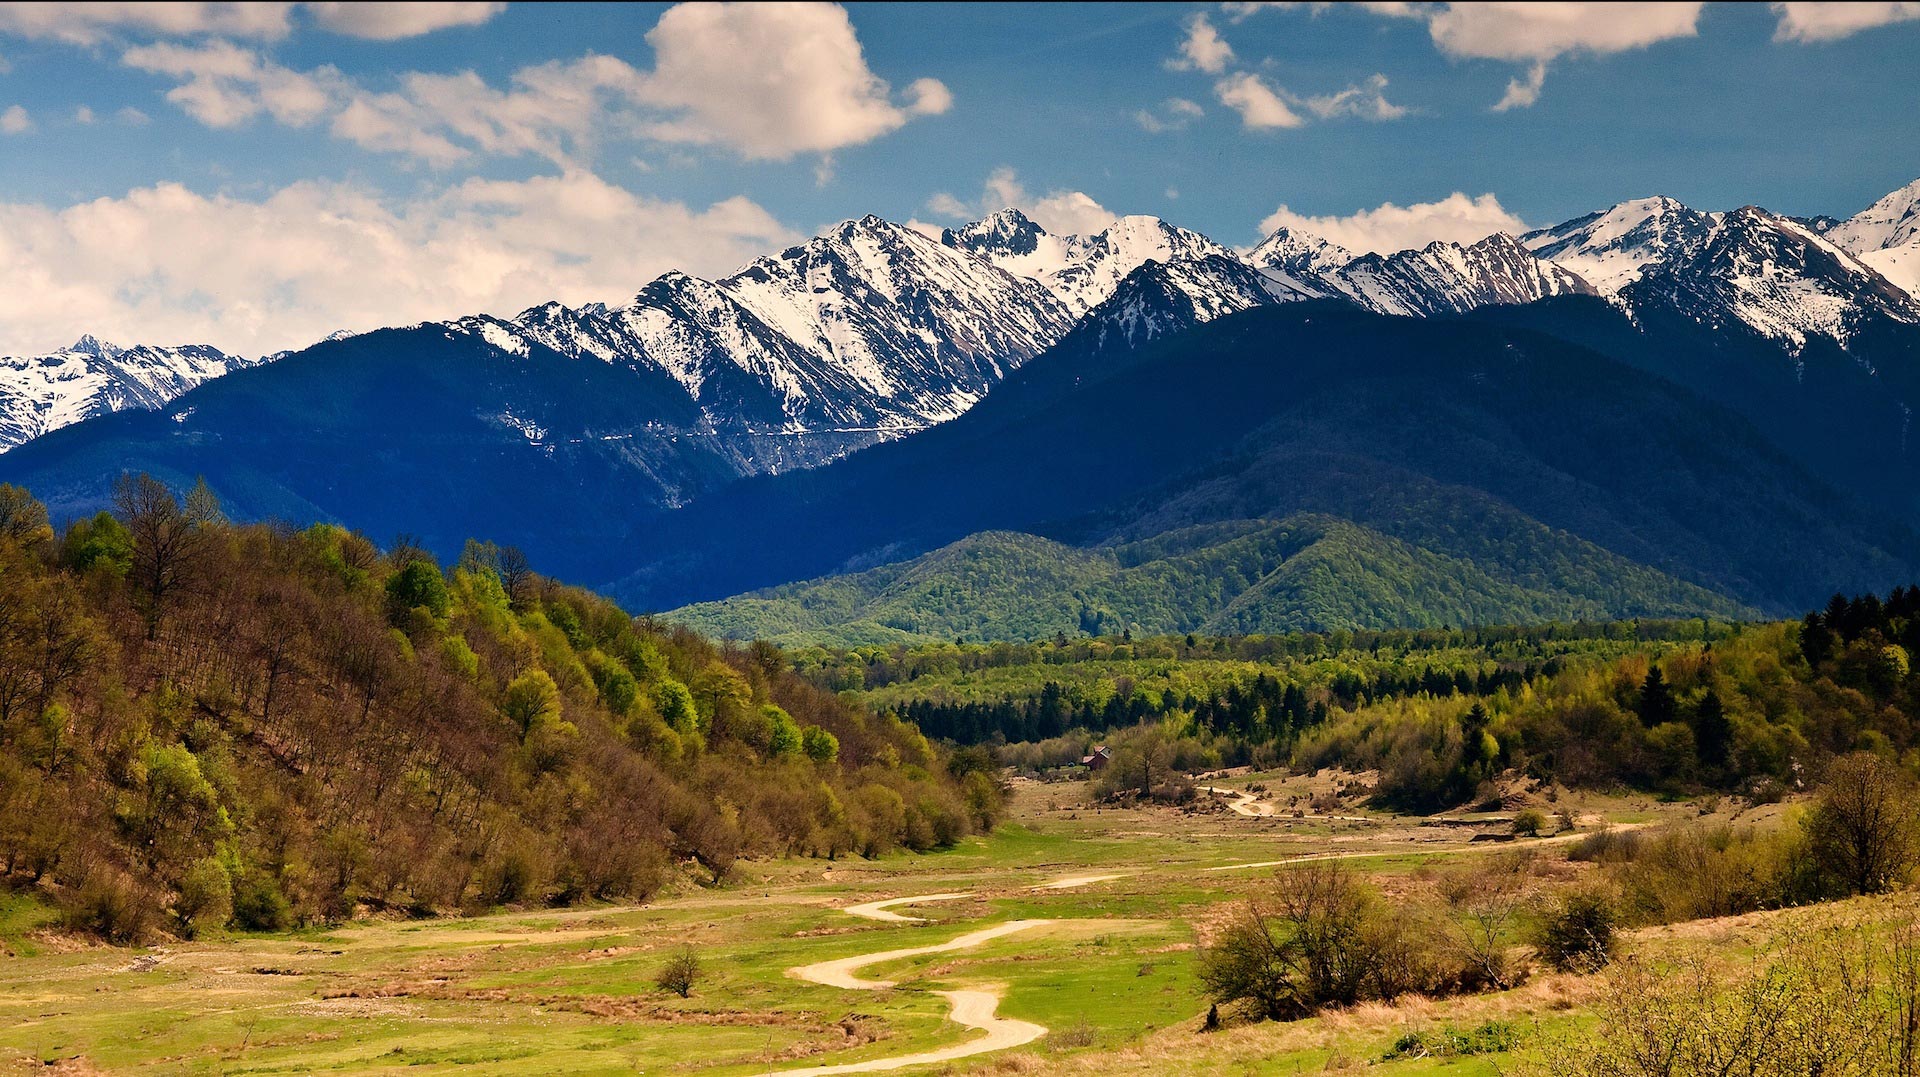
(571, 991)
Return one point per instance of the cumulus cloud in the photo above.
(1203, 49)
(1456, 218)
(1831, 22)
(764, 81)
(315, 257)
(1061, 212)
(92, 23)
(1173, 114)
(1259, 105)
(15, 121)
(770, 81)
(1542, 32)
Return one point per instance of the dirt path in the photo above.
(877, 910)
(1243, 803)
(1483, 847)
(1076, 881)
(973, 1008)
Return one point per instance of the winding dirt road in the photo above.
(877, 910)
(975, 1009)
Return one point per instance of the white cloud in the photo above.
(315, 257)
(555, 110)
(226, 85)
(1455, 219)
(770, 81)
(766, 81)
(15, 121)
(1061, 212)
(87, 24)
(1173, 114)
(1367, 101)
(83, 115)
(92, 23)
(1259, 106)
(393, 21)
(132, 117)
(1831, 22)
(1523, 92)
(1542, 32)
(1203, 49)
(1535, 33)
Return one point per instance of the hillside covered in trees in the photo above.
(204, 723)
(1306, 573)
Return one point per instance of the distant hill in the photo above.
(1307, 572)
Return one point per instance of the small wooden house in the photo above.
(1098, 760)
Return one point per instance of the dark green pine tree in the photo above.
(1712, 733)
(1656, 699)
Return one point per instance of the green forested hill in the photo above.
(203, 723)
(1308, 572)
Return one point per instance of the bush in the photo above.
(112, 905)
(1837, 999)
(1490, 1037)
(1529, 822)
(680, 972)
(206, 897)
(1862, 831)
(259, 904)
(1578, 935)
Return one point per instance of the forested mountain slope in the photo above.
(1469, 440)
(202, 722)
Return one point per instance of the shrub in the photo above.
(1490, 1037)
(680, 972)
(259, 904)
(1862, 830)
(112, 905)
(1529, 822)
(1578, 935)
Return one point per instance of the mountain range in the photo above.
(612, 441)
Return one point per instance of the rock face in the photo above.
(1447, 278)
(39, 393)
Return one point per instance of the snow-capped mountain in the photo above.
(1448, 278)
(1081, 271)
(39, 393)
(1611, 248)
(868, 331)
(1886, 236)
(1746, 266)
(1160, 299)
(1301, 261)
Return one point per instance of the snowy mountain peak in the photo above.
(1299, 253)
(40, 393)
(1449, 278)
(1886, 236)
(1611, 248)
(89, 344)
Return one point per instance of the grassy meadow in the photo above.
(1113, 977)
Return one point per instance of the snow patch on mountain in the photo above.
(41, 393)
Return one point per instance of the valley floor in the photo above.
(1067, 937)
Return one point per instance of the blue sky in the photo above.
(256, 175)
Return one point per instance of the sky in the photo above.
(256, 176)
